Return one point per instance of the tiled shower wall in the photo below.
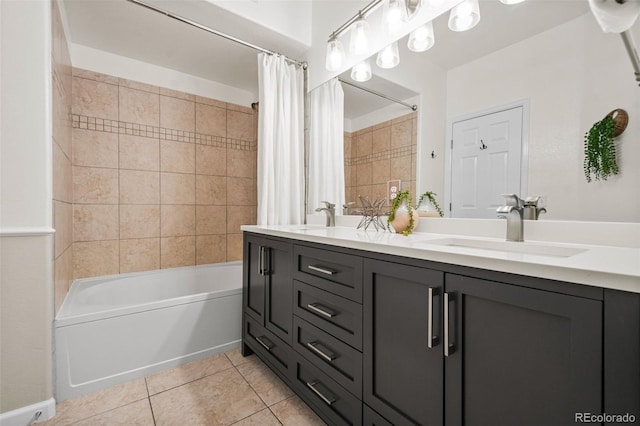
(161, 179)
(378, 154)
(62, 181)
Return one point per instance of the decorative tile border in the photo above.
(383, 155)
(134, 129)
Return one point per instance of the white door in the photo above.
(486, 157)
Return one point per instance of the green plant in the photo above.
(600, 151)
(431, 197)
(397, 202)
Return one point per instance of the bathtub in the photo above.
(113, 329)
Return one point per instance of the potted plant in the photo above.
(428, 206)
(600, 151)
(402, 217)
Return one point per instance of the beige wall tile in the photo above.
(177, 251)
(347, 146)
(92, 75)
(364, 144)
(238, 216)
(211, 190)
(131, 84)
(62, 176)
(240, 126)
(95, 186)
(175, 94)
(363, 174)
(211, 102)
(95, 258)
(139, 221)
(401, 168)
(382, 124)
(139, 255)
(139, 187)
(94, 99)
(177, 114)
(177, 221)
(211, 220)
(178, 157)
(93, 222)
(403, 118)
(350, 196)
(211, 160)
(364, 191)
(401, 134)
(413, 166)
(347, 175)
(240, 108)
(379, 191)
(241, 192)
(211, 249)
(242, 163)
(234, 247)
(95, 149)
(177, 188)
(380, 171)
(139, 153)
(382, 139)
(62, 277)
(63, 224)
(139, 107)
(211, 120)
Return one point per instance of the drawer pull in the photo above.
(264, 342)
(431, 339)
(328, 356)
(321, 270)
(322, 310)
(312, 385)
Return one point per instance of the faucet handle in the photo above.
(328, 204)
(513, 200)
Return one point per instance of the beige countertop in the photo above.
(605, 266)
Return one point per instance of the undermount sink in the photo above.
(538, 249)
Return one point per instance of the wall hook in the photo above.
(433, 154)
(482, 145)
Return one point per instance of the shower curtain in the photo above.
(326, 146)
(280, 142)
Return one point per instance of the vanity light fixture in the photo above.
(395, 14)
(422, 38)
(388, 57)
(359, 43)
(335, 54)
(361, 71)
(464, 16)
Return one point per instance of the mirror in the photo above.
(554, 56)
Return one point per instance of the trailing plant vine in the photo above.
(431, 197)
(397, 202)
(600, 151)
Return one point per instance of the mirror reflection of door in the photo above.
(486, 162)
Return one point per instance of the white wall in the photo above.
(573, 75)
(381, 115)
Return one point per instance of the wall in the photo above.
(161, 178)
(573, 75)
(26, 233)
(379, 153)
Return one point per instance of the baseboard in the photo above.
(30, 414)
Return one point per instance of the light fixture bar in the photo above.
(633, 53)
(361, 13)
(373, 92)
(216, 32)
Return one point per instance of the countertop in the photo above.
(595, 265)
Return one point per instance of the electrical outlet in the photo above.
(393, 188)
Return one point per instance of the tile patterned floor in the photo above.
(226, 389)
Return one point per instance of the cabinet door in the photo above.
(520, 356)
(403, 375)
(279, 289)
(253, 286)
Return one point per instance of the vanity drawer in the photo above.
(336, 315)
(335, 358)
(337, 405)
(268, 347)
(336, 272)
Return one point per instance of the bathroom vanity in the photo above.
(380, 329)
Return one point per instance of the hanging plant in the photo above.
(600, 150)
(430, 197)
(402, 217)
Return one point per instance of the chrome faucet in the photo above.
(330, 211)
(531, 209)
(513, 211)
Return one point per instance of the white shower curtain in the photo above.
(326, 146)
(280, 142)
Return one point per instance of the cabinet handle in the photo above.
(329, 357)
(321, 269)
(328, 400)
(260, 260)
(322, 310)
(431, 339)
(449, 347)
(266, 260)
(266, 343)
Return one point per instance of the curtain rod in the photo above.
(216, 32)
(373, 92)
(633, 53)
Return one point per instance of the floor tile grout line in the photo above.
(153, 417)
(191, 381)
